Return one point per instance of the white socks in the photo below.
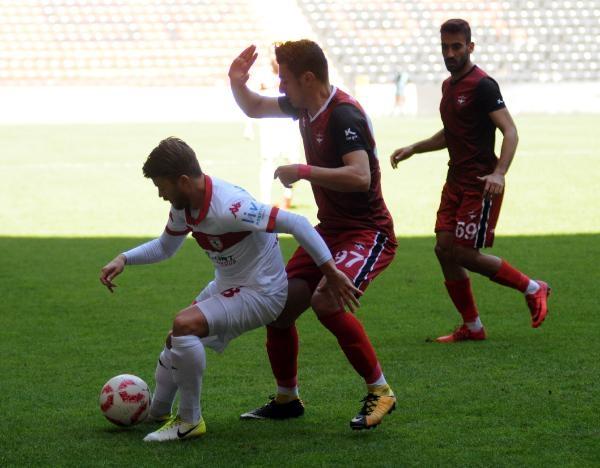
(380, 381)
(188, 360)
(288, 391)
(532, 287)
(166, 388)
(474, 326)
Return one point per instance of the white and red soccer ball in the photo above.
(125, 400)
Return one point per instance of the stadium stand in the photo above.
(191, 42)
(517, 40)
(122, 42)
(79, 60)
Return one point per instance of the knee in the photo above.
(323, 305)
(443, 252)
(466, 257)
(459, 256)
(281, 323)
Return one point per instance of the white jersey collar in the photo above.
(324, 106)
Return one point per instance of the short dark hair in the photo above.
(172, 158)
(457, 25)
(302, 56)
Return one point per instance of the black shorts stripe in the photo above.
(483, 223)
(380, 240)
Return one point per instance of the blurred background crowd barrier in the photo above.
(167, 60)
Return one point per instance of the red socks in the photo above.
(282, 348)
(355, 343)
(462, 296)
(509, 276)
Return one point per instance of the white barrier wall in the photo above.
(114, 104)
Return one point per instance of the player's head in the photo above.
(302, 69)
(456, 44)
(173, 166)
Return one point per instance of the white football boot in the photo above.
(176, 429)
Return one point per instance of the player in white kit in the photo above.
(250, 285)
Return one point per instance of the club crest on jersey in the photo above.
(461, 99)
(235, 208)
(350, 134)
(319, 138)
(216, 243)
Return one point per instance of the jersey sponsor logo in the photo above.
(222, 260)
(254, 214)
(319, 138)
(461, 99)
(359, 246)
(350, 134)
(216, 243)
(235, 208)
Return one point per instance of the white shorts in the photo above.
(231, 312)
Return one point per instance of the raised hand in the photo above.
(239, 69)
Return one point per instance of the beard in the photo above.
(180, 203)
(454, 65)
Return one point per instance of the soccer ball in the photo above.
(125, 400)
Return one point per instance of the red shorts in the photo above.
(471, 217)
(361, 255)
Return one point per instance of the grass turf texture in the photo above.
(86, 180)
(524, 397)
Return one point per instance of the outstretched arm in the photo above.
(494, 182)
(151, 252)
(253, 104)
(433, 143)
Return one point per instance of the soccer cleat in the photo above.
(462, 333)
(273, 410)
(374, 409)
(538, 304)
(176, 429)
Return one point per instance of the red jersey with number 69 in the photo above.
(469, 131)
(338, 128)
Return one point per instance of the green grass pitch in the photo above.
(73, 197)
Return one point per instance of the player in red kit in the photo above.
(343, 170)
(471, 110)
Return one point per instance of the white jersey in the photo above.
(236, 232)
